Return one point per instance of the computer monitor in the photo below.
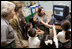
(60, 11)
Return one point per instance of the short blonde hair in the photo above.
(6, 7)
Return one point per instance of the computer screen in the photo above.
(58, 11)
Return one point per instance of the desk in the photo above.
(57, 26)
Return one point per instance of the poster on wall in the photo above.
(26, 11)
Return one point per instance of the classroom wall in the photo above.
(48, 5)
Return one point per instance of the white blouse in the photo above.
(61, 37)
(34, 42)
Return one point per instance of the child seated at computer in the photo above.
(64, 36)
(33, 40)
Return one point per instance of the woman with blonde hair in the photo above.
(16, 25)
